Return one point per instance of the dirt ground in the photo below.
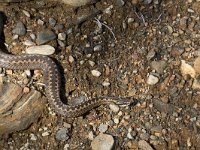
(135, 41)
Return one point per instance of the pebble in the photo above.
(102, 142)
(96, 73)
(41, 49)
(33, 137)
(120, 3)
(103, 128)
(40, 22)
(97, 48)
(62, 36)
(144, 136)
(52, 22)
(159, 66)
(116, 120)
(152, 80)
(91, 136)
(28, 43)
(143, 145)
(33, 36)
(62, 134)
(45, 36)
(19, 29)
(15, 37)
(66, 147)
(106, 83)
(71, 59)
(26, 13)
(45, 133)
(114, 108)
(92, 63)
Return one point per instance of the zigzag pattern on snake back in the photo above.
(52, 81)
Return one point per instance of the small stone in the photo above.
(40, 22)
(106, 83)
(92, 63)
(62, 134)
(26, 13)
(129, 136)
(144, 145)
(52, 22)
(96, 73)
(45, 36)
(103, 128)
(144, 136)
(71, 59)
(114, 108)
(9, 72)
(152, 80)
(28, 43)
(170, 29)
(19, 29)
(130, 20)
(97, 48)
(197, 65)
(26, 90)
(116, 120)
(91, 136)
(102, 142)
(33, 137)
(45, 133)
(187, 69)
(15, 37)
(66, 147)
(62, 36)
(41, 49)
(33, 36)
(120, 3)
(159, 66)
(28, 73)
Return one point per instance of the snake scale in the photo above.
(52, 82)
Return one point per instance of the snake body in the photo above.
(52, 81)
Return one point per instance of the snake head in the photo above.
(124, 100)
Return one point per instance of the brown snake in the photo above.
(52, 83)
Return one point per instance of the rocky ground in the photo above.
(147, 49)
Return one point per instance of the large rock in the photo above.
(18, 110)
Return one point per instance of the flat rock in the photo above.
(42, 50)
(102, 142)
(45, 36)
(18, 110)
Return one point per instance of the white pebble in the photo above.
(26, 13)
(114, 107)
(33, 137)
(103, 128)
(62, 36)
(96, 73)
(97, 48)
(42, 49)
(45, 133)
(71, 59)
(116, 120)
(15, 37)
(152, 80)
(91, 63)
(28, 73)
(28, 43)
(106, 83)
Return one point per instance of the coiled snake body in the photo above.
(52, 83)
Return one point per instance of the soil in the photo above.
(133, 38)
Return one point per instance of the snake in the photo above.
(52, 82)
